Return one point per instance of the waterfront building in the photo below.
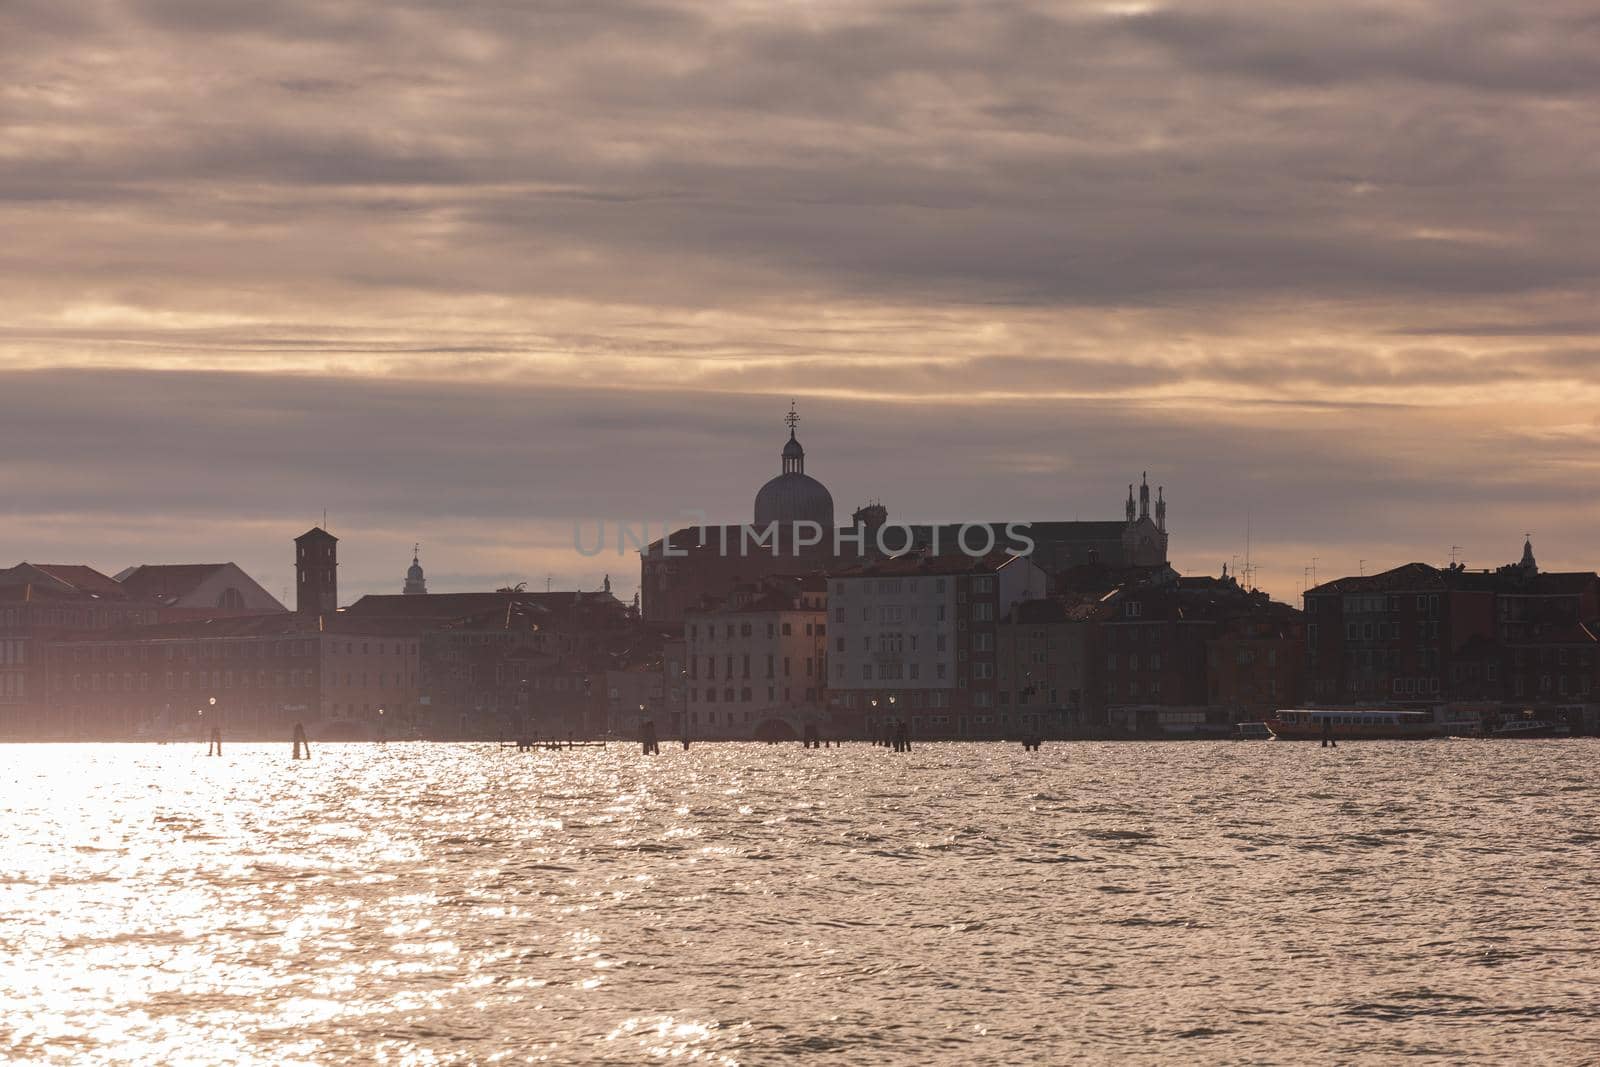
(913, 639)
(1045, 665)
(515, 662)
(263, 672)
(39, 602)
(757, 661)
(1511, 637)
(1164, 643)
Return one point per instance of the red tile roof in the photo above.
(83, 578)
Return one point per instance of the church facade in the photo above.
(794, 533)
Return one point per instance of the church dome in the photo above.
(794, 496)
(414, 572)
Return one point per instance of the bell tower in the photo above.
(316, 577)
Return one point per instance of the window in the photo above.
(866, 672)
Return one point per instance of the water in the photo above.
(751, 904)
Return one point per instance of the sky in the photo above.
(471, 272)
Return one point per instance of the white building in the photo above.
(913, 638)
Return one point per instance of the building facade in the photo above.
(756, 664)
(1510, 637)
(914, 639)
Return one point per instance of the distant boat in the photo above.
(1251, 731)
(1363, 724)
(1517, 728)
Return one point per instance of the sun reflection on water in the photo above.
(745, 904)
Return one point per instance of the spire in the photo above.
(605, 585)
(1130, 502)
(794, 456)
(1529, 566)
(1144, 495)
(1161, 509)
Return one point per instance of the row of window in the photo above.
(216, 680)
(744, 663)
(895, 586)
(923, 698)
(744, 695)
(1368, 604)
(745, 629)
(896, 672)
(226, 650)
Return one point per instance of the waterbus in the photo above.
(1363, 724)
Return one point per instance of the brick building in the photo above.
(1423, 634)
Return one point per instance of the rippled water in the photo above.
(753, 904)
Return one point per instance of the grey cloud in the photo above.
(254, 455)
(520, 243)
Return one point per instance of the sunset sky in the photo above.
(469, 271)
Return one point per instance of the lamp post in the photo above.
(214, 741)
(383, 735)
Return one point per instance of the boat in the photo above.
(1530, 727)
(1251, 731)
(1363, 724)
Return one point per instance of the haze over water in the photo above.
(422, 903)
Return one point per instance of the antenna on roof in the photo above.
(1361, 568)
(1453, 550)
(1249, 566)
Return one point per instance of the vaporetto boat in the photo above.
(1364, 724)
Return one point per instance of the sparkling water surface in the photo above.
(420, 903)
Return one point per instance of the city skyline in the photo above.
(468, 274)
(256, 541)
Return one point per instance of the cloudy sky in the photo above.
(470, 271)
